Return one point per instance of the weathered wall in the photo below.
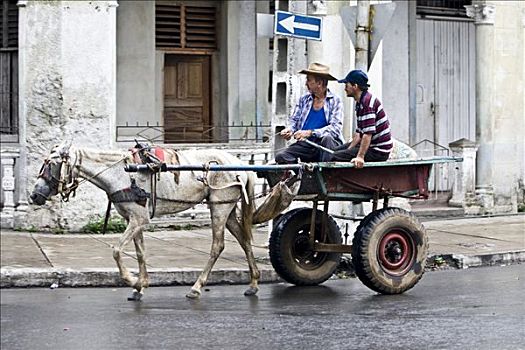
(395, 69)
(68, 84)
(242, 71)
(136, 62)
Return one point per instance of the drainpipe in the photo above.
(362, 52)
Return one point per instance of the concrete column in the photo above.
(287, 86)
(263, 67)
(463, 191)
(333, 50)
(22, 178)
(316, 49)
(247, 68)
(483, 15)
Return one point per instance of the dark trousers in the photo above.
(343, 154)
(307, 153)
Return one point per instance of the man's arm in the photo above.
(294, 121)
(355, 140)
(359, 160)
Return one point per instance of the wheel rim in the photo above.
(396, 252)
(303, 254)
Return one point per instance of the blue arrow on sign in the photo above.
(299, 26)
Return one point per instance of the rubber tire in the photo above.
(366, 255)
(282, 247)
(280, 216)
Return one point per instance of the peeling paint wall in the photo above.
(68, 81)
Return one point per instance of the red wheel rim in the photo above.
(396, 252)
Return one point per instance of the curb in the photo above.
(109, 277)
(509, 258)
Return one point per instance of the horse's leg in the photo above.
(141, 259)
(218, 222)
(236, 230)
(134, 227)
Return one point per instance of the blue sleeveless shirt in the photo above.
(315, 120)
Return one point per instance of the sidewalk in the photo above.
(177, 257)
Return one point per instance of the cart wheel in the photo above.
(278, 218)
(389, 251)
(290, 252)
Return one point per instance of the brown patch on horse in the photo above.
(155, 155)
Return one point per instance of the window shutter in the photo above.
(168, 25)
(180, 26)
(8, 24)
(200, 27)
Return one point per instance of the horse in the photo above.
(174, 192)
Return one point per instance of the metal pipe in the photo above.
(282, 167)
(132, 168)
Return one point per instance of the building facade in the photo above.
(195, 73)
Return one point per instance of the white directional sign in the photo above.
(298, 26)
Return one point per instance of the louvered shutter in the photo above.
(9, 70)
(8, 24)
(181, 26)
(168, 25)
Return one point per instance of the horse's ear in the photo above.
(63, 148)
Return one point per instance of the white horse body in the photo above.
(223, 191)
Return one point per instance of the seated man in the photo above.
(318, 117)
(372, 141)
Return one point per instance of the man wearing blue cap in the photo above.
(372, 141)
(316, 122)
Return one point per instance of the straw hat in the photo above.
(318, 69)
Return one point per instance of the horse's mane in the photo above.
(97, 155)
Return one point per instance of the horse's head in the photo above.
(53, 175)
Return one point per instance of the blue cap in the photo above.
(356, 77)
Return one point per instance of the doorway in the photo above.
(187, 99)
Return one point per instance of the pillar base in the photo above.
(485, 200)
(7, 218)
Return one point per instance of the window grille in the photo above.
(184, 26)
(449, 8)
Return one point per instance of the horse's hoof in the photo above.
(193, 294)
(251, 291)
(135, 296)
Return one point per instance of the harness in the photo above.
(66, 183)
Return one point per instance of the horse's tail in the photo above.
(248, 208)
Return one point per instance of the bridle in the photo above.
(67, 181)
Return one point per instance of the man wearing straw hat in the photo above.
(316, 122)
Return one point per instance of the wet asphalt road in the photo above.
(470, 309)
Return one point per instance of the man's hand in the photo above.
(286, 134)
(302, 134)
(359, 162)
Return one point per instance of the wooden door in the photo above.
(187, 99)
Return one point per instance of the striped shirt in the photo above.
(333, 112)
(372, 119)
